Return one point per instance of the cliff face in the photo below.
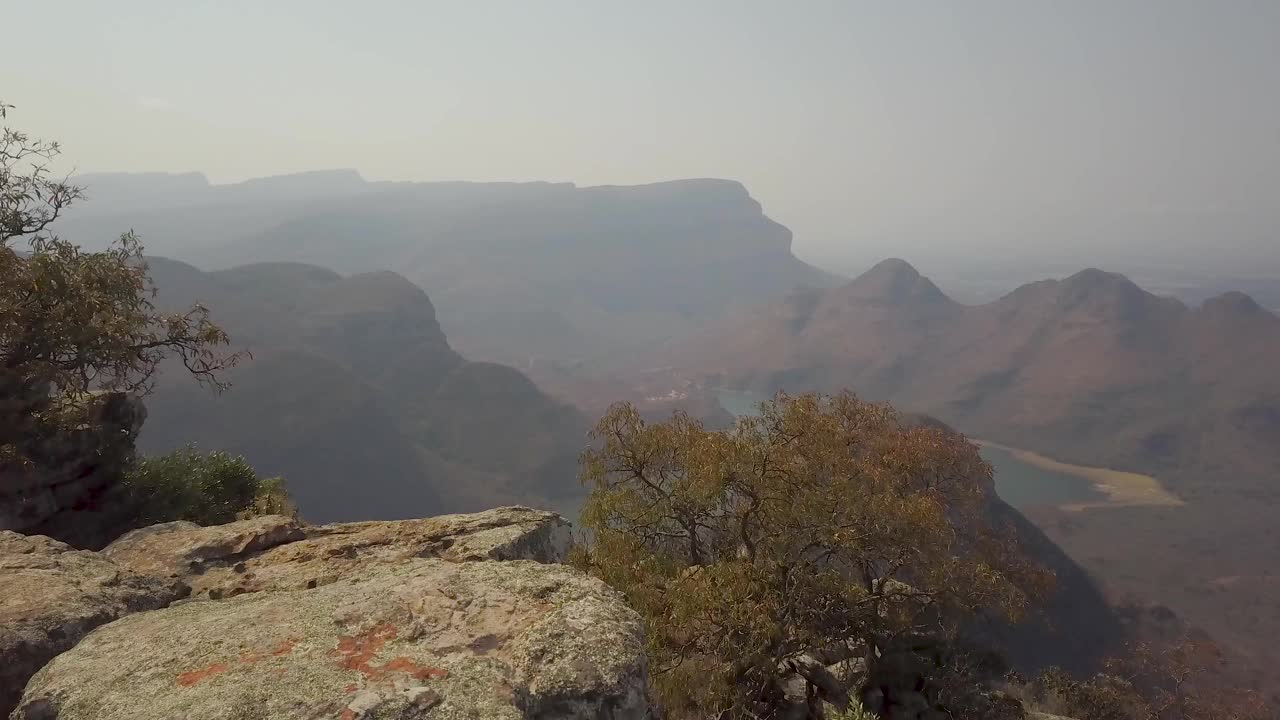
(355, 396)
(76, 466)
(522, 273)
(1073, 627)
(454, 616)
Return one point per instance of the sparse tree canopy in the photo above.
(75, 323)
(30, 198)
(79, 322)
(822, 531)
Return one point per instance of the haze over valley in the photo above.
(833, 331)
(362, 356)
(676, 295)
(686, 295)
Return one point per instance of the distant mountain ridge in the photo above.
(1087, 366)
(522, 273)
(111, 192)
(355, 396)
(1089, 369)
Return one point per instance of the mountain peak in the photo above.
(1232, 303)
(1095, 278)
(895, 281)
(1092, 285)
(896, 266)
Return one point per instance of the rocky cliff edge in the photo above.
(450, 617)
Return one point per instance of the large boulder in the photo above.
(452, 616)
(416, 638)
(52, 595)
(276, 553)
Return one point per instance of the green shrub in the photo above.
(272, 498)
(208, 489)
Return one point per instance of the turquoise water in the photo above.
(1025, 485)
(1018, 483)
(740, 402)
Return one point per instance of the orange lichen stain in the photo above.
(356, 651)
(248, 657)
(409, 667)
(194, 677)
(347, 714)
(351, 688)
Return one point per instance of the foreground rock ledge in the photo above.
(276, 553)
(51, 595)
(424, 638)
(458, 616)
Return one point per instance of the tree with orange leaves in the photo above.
(819, 535)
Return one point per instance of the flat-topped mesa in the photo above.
(526, 274)
(702, 194)
(121, 191)
(451, 616)
(307, 179)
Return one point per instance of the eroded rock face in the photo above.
(52, 595)
(276, 553)
(61, 495)
(418, 638)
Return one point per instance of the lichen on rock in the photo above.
(52, 595)
(276, 553)
(422, 638)
(459, 616)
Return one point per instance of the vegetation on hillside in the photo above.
(1090, 369)
(1166, 682)
(352, 377)
(820, 537)
(825, 559)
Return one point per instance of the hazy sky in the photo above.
(865, 127)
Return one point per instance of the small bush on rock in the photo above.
(208, 489)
